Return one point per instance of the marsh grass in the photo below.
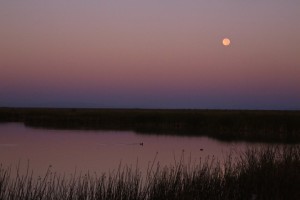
(265, 173)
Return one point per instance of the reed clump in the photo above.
(264, 173)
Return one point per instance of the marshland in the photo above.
(149, 100)
(242, 125)
(149, 154)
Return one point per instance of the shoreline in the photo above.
(228, 125)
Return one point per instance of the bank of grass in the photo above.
(247, 125)
(266, 173)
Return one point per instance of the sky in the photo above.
(150, 54)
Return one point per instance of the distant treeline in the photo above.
(247, 125)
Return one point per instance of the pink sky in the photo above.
(150, 54)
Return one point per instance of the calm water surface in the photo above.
(101, 151)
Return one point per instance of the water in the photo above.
(101, 151)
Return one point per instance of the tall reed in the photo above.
(264, 173)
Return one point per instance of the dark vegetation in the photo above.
(266, 173)
(247, 125)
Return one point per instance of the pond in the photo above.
(102, 151)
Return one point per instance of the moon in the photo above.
(226, 42)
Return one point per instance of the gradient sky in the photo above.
(150, 54)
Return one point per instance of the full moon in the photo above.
(226, 42)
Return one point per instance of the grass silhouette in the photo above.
(265, 173)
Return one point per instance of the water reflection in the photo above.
(101, 151)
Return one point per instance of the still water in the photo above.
(101, 151)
